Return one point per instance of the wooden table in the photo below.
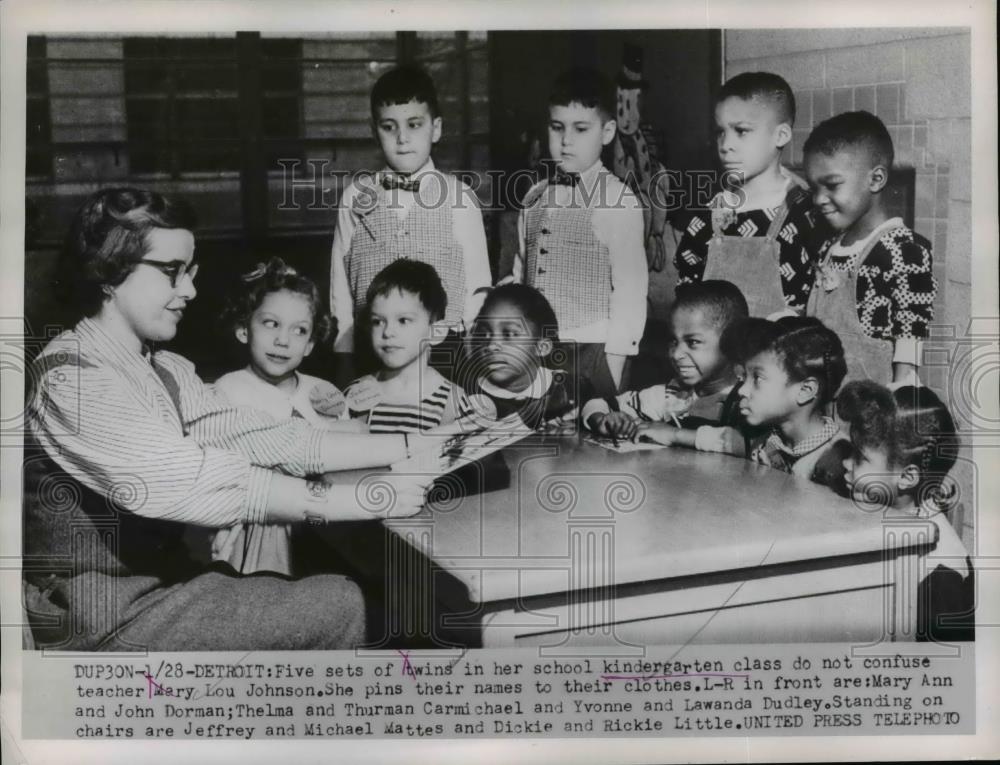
(587, 547)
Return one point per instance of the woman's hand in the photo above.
(393, 495)
(369, 496)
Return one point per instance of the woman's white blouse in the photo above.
(104, 414)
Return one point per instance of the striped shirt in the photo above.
(429, 412)
(146, 432)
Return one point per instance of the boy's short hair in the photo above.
(403, 85)
(411, 276)
(586, 87)
(720, 301)
(852, 131)
(764, 86)
(532, 304)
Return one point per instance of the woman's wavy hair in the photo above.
(108, 237)
(273, 276)
(911, 425)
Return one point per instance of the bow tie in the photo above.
(562, 178)
(400, 182)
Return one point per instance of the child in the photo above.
(903, 444)
(874, 285)
(406, 306)
(511, 339)
(278, 316)
(409, 210)
(704, 390)
(788, 384)
(758, 233)
(581, 236)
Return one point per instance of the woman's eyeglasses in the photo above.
(174, 269)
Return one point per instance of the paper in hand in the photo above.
(623, 447)
(464, 448)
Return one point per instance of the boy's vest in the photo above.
(566, 262)
(425, 234)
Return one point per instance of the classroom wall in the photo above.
(918, 81)
(86, 94)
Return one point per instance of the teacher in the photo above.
(125, 445)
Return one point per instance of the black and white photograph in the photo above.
(374, 376)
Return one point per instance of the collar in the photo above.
(588, 176)
(792, 184)
(806, 445)
(928, 509)
(838, 250)
(792, 180)
(97, 343)
(103, 343)
(427, 167)
(537, 389)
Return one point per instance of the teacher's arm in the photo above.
(375, 496)
(292, 445)
(102, 432)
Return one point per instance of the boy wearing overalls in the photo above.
(874, 284)
(759, 232)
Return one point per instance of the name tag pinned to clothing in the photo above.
(829, 278)
(364, 394)
(723, 217)
(326, 399)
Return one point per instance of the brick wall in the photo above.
(918, 81)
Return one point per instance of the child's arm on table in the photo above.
(613, 425)
(707, 438)
(667, 434)
(657, 403)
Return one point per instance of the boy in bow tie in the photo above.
(407, 210)
(580, 236)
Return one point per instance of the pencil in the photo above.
(676, 421)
